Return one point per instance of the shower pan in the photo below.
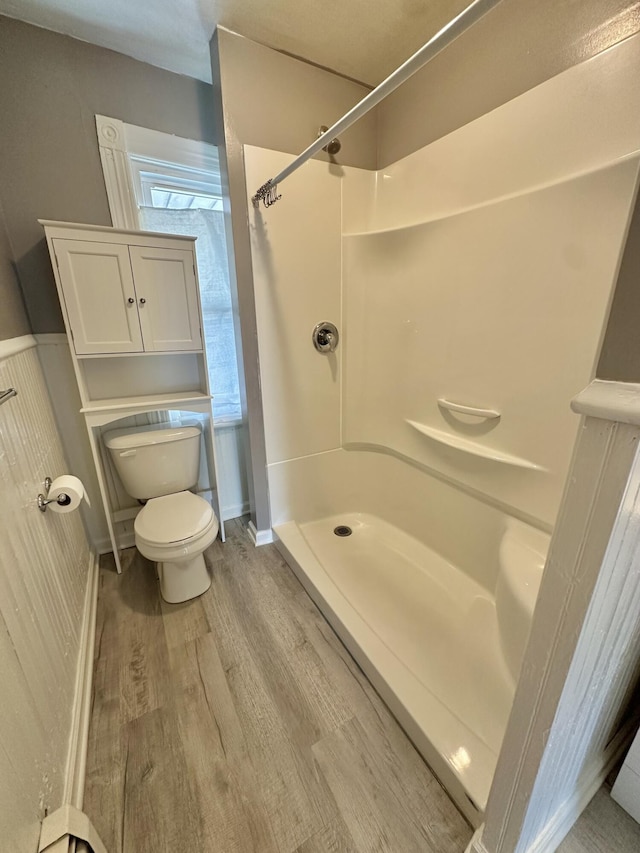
(417, 457)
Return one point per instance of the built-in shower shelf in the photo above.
(473, 447)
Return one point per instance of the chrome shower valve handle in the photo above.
(325, 337)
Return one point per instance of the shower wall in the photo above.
(479, 269)
(297, 276)
(499, 307)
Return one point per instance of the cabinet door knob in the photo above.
(131, 300)
(142, 301)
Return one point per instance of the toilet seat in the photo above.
(173, 519)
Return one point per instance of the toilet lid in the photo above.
(173, 518)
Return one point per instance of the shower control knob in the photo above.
(325, 337)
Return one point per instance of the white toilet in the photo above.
(175, 526)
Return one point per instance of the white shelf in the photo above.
(94, 355)
(473, 447)
(161, 401)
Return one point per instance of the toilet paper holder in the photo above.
(44, 501)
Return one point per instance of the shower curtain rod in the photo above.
(268, 192)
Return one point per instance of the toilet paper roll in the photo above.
(66, 493)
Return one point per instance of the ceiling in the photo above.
(356, 38)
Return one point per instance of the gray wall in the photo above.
(13, 318)
(52, 86)
(275, 101)
(271, 100)
(620, 353)
(512, 49)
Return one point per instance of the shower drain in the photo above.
(342, 530)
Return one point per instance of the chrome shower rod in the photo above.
(268, 192)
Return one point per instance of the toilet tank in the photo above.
(155, 462)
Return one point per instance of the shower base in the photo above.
(424, 632)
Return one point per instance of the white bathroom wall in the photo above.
(44, 567)
(297, 281)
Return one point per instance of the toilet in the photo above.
(175, 526)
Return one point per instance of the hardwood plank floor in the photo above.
(238, 723)
(604, 827)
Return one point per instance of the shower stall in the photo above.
(415, 471)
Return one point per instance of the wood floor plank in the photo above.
(144, 670)
(104, 786)
(233, 814)
(374, 803)
(130, 679)
(333, 838)
(184, 622)
(160, 811)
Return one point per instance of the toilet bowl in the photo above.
(159, 465)
(174, 531)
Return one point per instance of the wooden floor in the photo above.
(604, 827)
(238, 722)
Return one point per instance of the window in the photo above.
(172, 202)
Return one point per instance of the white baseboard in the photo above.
(102, 546)
(476, 845)
(125, 540)
(260, 537)
(234, 511)
(65, 829)
(77, 757)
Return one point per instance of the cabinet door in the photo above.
(167, 294)
(99, 295)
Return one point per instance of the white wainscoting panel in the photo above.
(44, 564)
(55, 359)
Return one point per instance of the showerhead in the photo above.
(333, 146)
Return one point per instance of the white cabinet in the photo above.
(99, 295)
(167, 294)
(131, 307)
(128, 298)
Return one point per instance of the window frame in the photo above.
(122, 145)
